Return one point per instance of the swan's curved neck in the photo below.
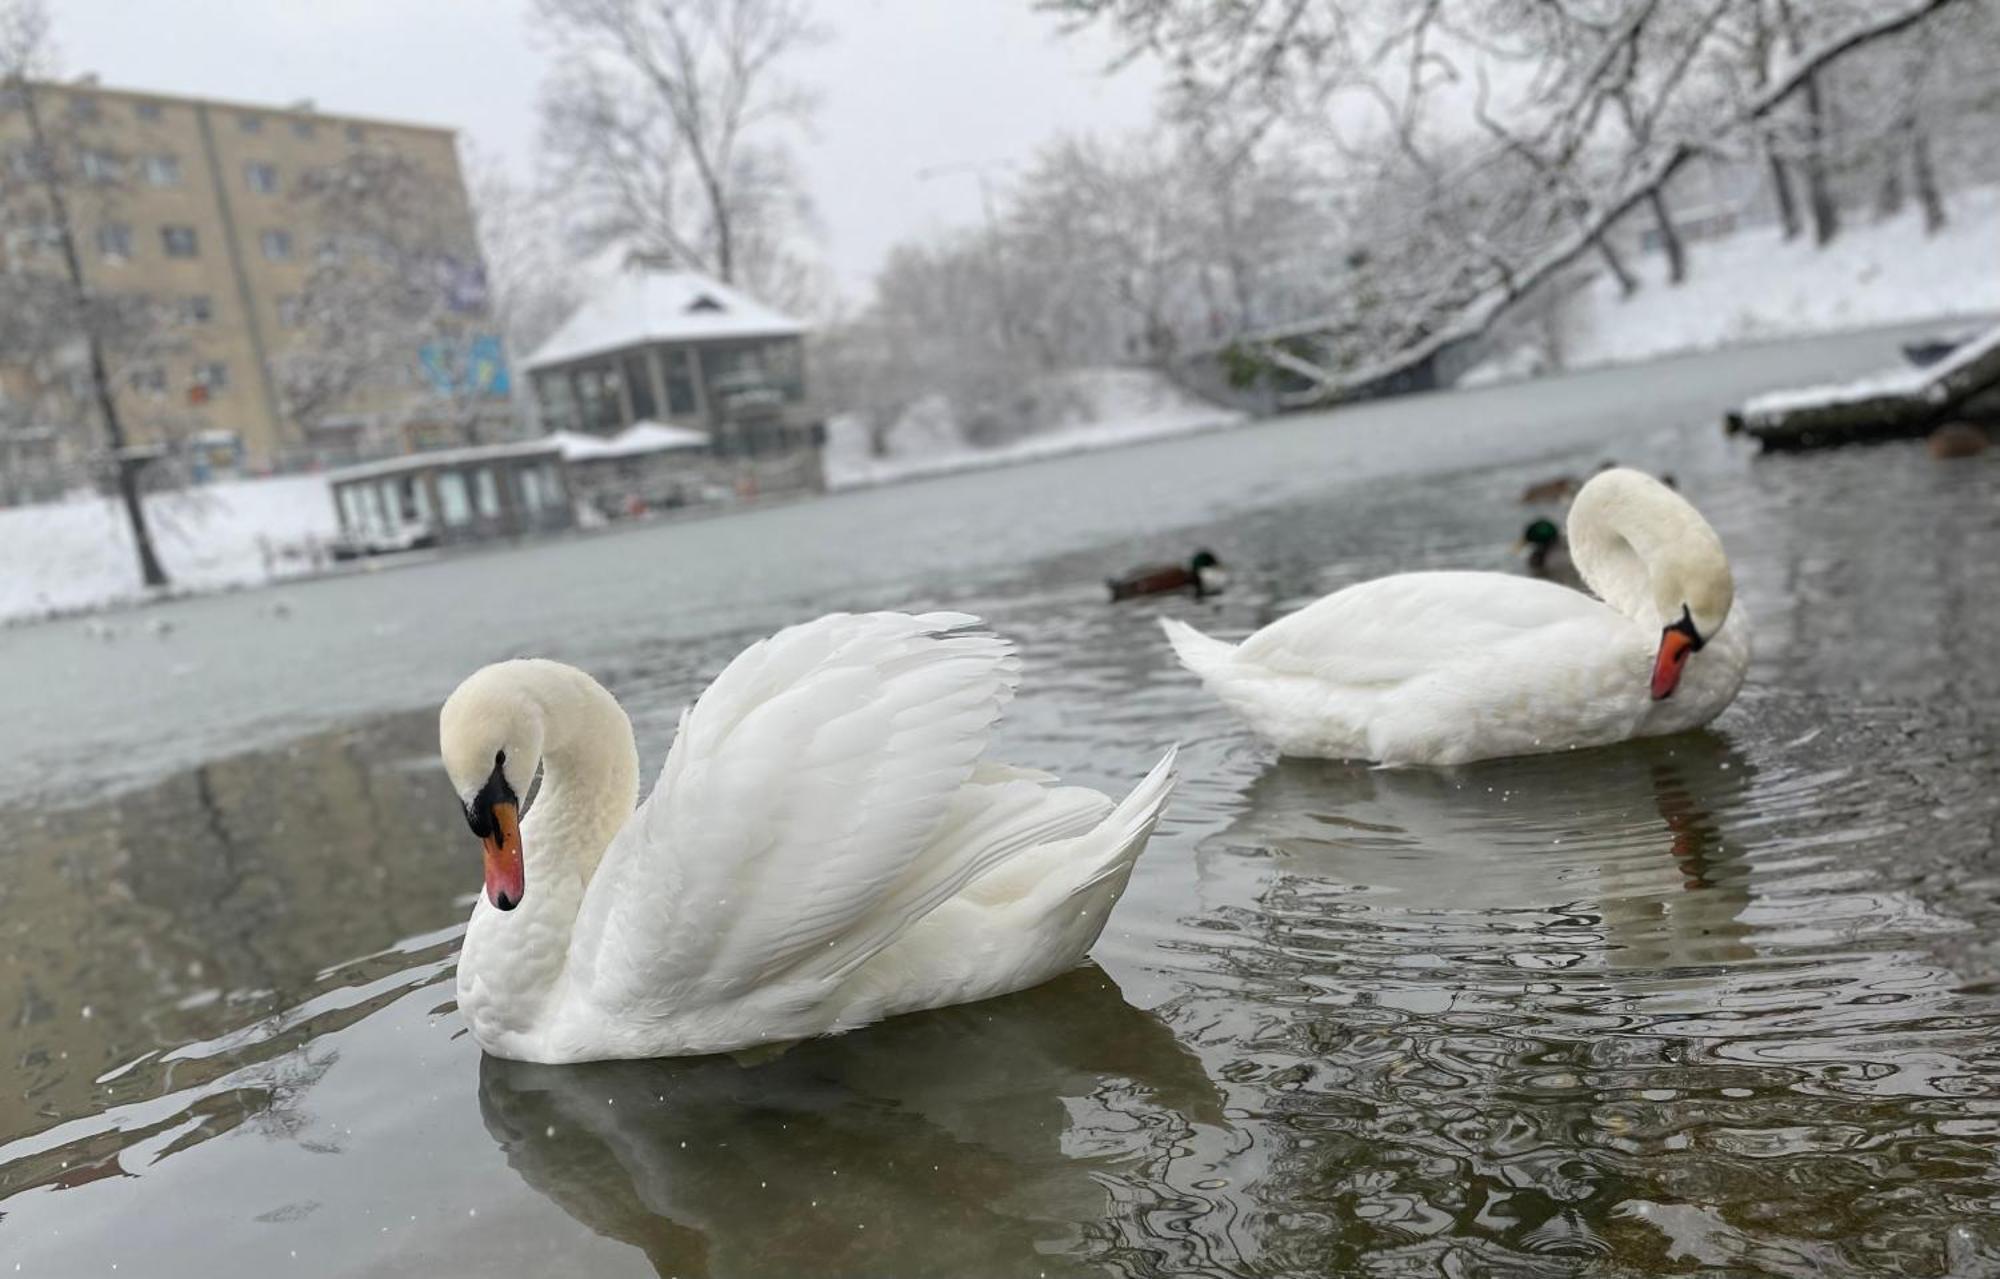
(1645, 551)
(512, 962)
(590, 772)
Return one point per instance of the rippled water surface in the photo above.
(1719, 1003)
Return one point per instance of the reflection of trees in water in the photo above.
(966, 1141)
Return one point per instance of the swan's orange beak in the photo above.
(1676, 646)
(506, 880)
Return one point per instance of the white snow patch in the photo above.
(634, 440)
(77, 554)
(1754, 285)
(1106, 408)
(1896, 383)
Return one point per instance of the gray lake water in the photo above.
(1718, 1003)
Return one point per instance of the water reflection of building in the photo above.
(193, 908)
(964, 1141)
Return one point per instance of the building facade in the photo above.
(679, 349)
(189, 204)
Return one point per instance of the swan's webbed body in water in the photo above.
(826, 847)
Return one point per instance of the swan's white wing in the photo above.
(800, 796)
(1391, 630)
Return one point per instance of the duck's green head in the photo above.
(1541, 533)
(1204, 558)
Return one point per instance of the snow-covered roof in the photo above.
(640, 437)
(639, 305)
(440, 457)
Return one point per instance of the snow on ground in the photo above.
(1753, 285)
(1106, 408)
(64, 556)
(1924, 381)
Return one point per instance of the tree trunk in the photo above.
(1627, 285)
(128, 467)
(1819, 193)
(1781, 189)
(1670, 236)
(1889, 196)
(1925, 178)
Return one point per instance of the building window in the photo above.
(354, 133)
(114, 240)
(250, 123)
(640, 379)
(179, 241)
(212, 376)
(83, 107)
(146, 110)
(680, 383)
(486, 492)
(163, 170)
(195, 308)
(451, 498)
(261, 177)
(277, 245)
(97, 166)
(149, 378)
(303, 130)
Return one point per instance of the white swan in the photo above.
(1445, 668)
(824, 848)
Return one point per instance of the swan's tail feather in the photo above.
(1202, 654)
(991, 825)
(1131, 824)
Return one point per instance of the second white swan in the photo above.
(825, 847)
(1447, 668)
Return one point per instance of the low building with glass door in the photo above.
(452, 496)
(679, 349)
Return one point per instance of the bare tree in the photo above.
(532, 281)
(1620, 98)
(391, 315)
(63, 308)
(668, 121)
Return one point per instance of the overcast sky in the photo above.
(908, 86)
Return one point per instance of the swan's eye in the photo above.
(1686, 627)
(479, 813)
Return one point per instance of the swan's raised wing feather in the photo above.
(800, 795)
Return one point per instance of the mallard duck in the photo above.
(1955, 440)
(1550, 491)
(1446, 668)
(1202, 574)
(1548, 553)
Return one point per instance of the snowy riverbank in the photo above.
(1103, 408)
(64, 557)
(1754, 286)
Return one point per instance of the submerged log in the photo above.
(1905, 404)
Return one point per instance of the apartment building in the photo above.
(192, 204)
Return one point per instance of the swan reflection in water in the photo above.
(1621, 853)
(971, 1140)
(1456, 987)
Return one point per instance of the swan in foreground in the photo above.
(1446, 668)
(825, 847)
